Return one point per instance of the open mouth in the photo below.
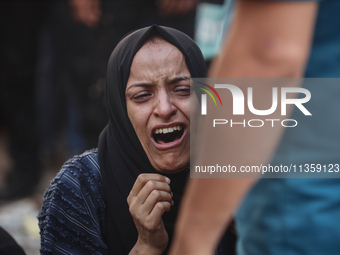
(168, 135)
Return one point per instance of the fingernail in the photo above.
(167, 180)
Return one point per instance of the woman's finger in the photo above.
(155, 197)
(142, 180)
(159, 209)
(149, 187)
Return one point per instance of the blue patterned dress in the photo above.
(72, 219)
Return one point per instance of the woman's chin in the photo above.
(171, 167)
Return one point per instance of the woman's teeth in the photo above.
(167, 130)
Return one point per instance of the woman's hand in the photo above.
(173, 8)
(149, 198)
(87, 12)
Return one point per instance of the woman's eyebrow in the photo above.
(171, 81)
(179, 78)
(145, 85)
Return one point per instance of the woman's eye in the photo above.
(183, 91)
(140, 97)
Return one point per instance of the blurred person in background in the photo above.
(274, 39)
(8, 246)
(20, 23)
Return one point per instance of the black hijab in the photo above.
(121, 156)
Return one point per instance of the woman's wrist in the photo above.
(141, 248)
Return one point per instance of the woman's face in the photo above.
(158, 104)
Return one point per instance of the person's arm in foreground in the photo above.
(266, 39)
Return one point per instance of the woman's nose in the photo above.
(164, 108)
